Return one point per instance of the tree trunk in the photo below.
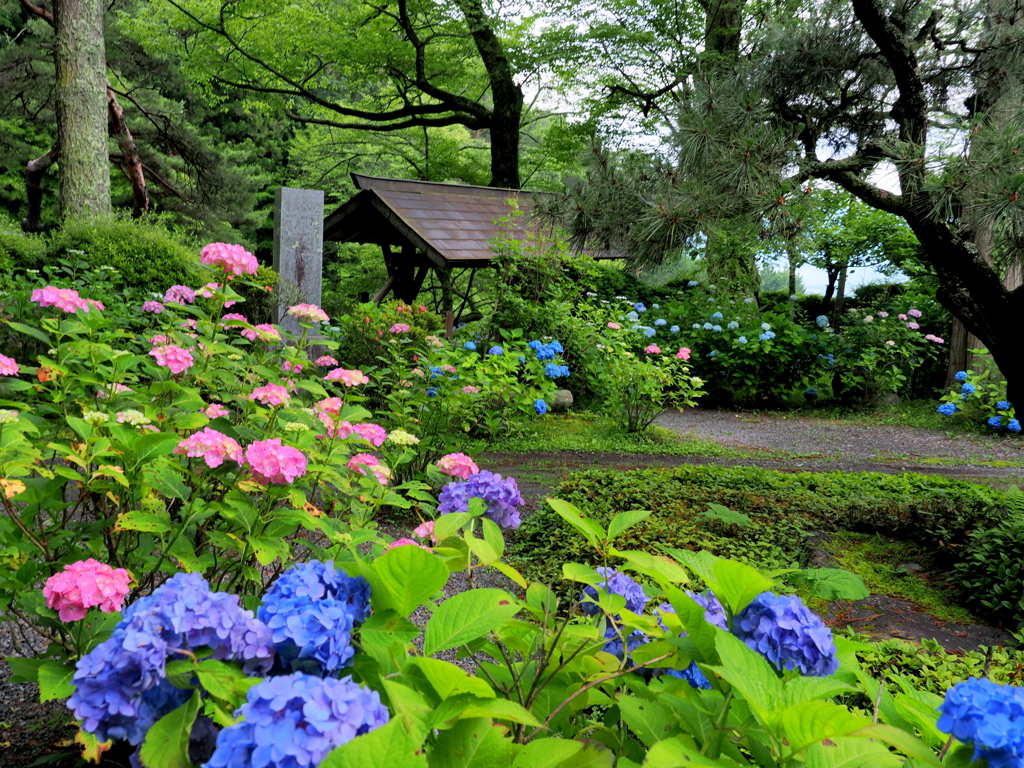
(81, 100)
(506, 94)
(34, 172)
(132, 161)
(837, 318)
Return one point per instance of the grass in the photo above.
(875, 559)
(600, 434)
(921, 414)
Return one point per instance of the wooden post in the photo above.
(363, 297)
(449, 324)
(444, 276)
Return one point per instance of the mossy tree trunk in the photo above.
(81, 99)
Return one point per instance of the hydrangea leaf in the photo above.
(813, 721)
(832, 583)
(750, 674)
(738, 584)
(404, 578)
(592, 532)
(473, 744)
(166, 744)
(850, 752)
(55, 681)
(466, 706)
(623, 521)
(467, 616)
(591, 756)
(410, 707)
(679, 752)
(448, 680)
(903, 741)
(699, 643)
(546, 753)
(386, 747)
(650, 721)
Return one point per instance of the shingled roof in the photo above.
(452, 224)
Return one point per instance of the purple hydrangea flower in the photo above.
(615, 583)
(783, 630)
(311, 611)
(614, 646)
(121, 686)
(500, 495)
(714, 613)
(989, 716)
(294, 721)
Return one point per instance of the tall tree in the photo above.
(81, 99)
(358, 66)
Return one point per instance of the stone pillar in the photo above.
(298, 248)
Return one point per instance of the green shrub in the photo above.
(991, 569)
(146, 253)
(260, 304)
(782, 507)
(18, 249)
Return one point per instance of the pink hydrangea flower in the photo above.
(8, 366)
(434, 341)
(308, 313)
(190, 324)
(448, 368)
(173, 357)
(215, 411)
(422, 308)
(348, 378)
(112, 389)
(331, 405)
(273, 462)
(914, 312)
(901, 317)
(399, 328)
(683, 353)
(179, 294)
(234, 259)
(160, 339)
(211, 446)
(208, 291)
(614, 326)
(152, 306)
(325, 361)
(892, 343)
(364, 461)
(883, 315)
(233, 317)
(404, 543)
(423, 530)
(913, 326)
(418, 372)
(289, 367)
(936, 339)
(652, 349)
(263, 331)
(66, 299)
(457, 465)
(84, 585)
(271, 394)
(371, 433)
(469, 389)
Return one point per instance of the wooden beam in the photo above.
(385, 289)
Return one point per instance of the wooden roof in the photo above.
(453, 224)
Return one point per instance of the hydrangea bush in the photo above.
(981, 397)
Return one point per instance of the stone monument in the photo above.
(298, 246)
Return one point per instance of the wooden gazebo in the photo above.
(422, 225)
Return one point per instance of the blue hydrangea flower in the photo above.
(716, 316)
(540, 406)
(995, 422)
(742, 339)
(674, 329)
(716, 328)
(967, 388)
(822, 321)
(696, 326)
(692, 284)
(500, 495)
(1014, 426)
(810, 393)
(614, 646)
(311, 611)
(961, 376)
(708, 326)
(545, 351)
(767, 336)
(748, 300)
(656, 306)
(639, 307)
(989, 716)
(121, 687)
(469, 345)
(712, 353)
(431, 391)
(765, 327)
(648, 331)
(622, 298)
(660, 321)
(296, 720)
(784, 631)
(947, 410)
(733, 325)
(794, 297)
(633, 316)
(634, 327)
(496, 351)
(615, 583)
(714, 613)
(555, 371)
(711, 300)
(1003, 405)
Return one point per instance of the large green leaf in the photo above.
(467, 616)
(473, 744)
(833, 584)
(546, 753)
(151, 446)
(166, 744)
(750, 674)
(591, 756)
(738, 584)
(592, 532)
(449, 680)
(404, 578)
(388, 628)
(389, 746)
(851, 752)
(650, 721)
(35, 333)
(466, 706)
(677, 753)
(813, 721)
(726, 515)
(410, 707)
(55, 681)
(906, 743)
(225, 681)
(625, 520)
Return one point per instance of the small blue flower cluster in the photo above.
(742, 339)
(821, 321)
(660, 322)
(784, 631)
(639, 307)
(615, 583)
(311, 611)
(554, 371)
(496, 351)
(830, 359)
(966, 389)
(692, 284)
(716, 316)
(767, 336)
(546, 351)
(540, 406)
(632, 316)
(501, 495)
(647, 331)
(293, 721)
(674, 329)
(1003, 405)
(989, 716)
(948, 409)
(733, 325)
(810, 393)
(471, 346)
(961, 376)
(121, 687)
